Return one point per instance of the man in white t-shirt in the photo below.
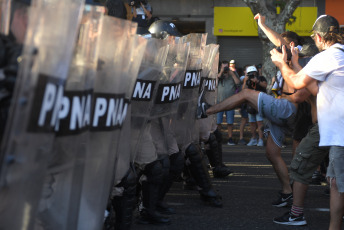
(324, 76)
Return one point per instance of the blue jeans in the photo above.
(229, 117)
(254, 117)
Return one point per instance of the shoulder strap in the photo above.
(339, 48)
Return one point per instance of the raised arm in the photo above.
(273, 36)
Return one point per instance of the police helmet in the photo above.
(161, 29)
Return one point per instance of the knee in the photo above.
(165, 164)
(193, 153)
(154, 172)
(245, 92)
(271, 156)
(177, 163)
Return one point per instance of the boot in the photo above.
(172, 167)
(215, 155)
(150, 195)
(124, 205)
(199, 172)
(189, 183)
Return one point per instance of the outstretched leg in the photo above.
(246, 95)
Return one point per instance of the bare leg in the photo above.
(336, 207)
(230, 130)
(234, 101)
(242, 127)
(260, 129)
(295, 144)
(299, 193)
(253, 127)
(273, 153)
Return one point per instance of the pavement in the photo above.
(246, 195)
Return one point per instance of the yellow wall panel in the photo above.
(238, 21)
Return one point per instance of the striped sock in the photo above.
(296, 211)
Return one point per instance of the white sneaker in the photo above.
(260, 143)
(252, 142)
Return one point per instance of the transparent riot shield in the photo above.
(185, 125)
(208, 88)
(135, 52)
(29, 135)
(167, 99)
(144, 92)
(171, 79)
(59, 205)
(109, 112)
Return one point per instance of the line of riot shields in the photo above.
(89, 93)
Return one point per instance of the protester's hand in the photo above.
(260, 18)
(277, 57)
(294, 53)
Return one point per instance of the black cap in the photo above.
(324, 23)
(308, 50)
(162, 28)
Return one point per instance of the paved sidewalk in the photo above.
(247, 197)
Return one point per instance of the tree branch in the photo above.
(288, 10)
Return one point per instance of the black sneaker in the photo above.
(221, 171)
(318, 178)
(283, 200)
(230, 141)
(290, 219)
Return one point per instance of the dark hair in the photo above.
(291, 36)
(224, 62)
(332, 36)
(245, 67)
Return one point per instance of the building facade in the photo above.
(197, 16)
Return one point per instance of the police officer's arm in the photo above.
(273, 36)
(295, 80)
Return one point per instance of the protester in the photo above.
(279, 123)
(322, 76)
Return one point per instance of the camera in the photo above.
(250, 84)
(226, 69)
(279, 49)
(137, 3)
